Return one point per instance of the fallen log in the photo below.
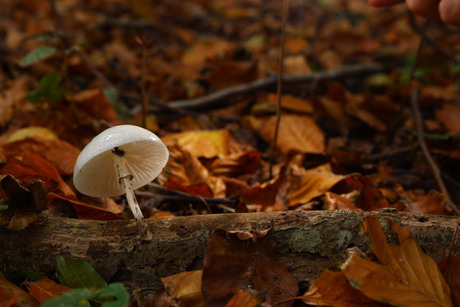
(306, 242)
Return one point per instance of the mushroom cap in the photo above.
(95, 173)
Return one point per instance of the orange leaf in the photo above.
(13, 296)
(243, 298)
(83, 211)
(296, 133)
(30, 166)
(407, 277)
(332, 288)
(304, 185)
(60, 154)
(45, 289)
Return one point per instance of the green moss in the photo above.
(344, 237)
(304, 240)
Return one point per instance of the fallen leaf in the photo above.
(30, 166)
(231, 264)
(24, 200)
(60, 154)
(201, 143)
(338, 202)
(332, 289)
(236, 164)
(244, 298)
(296, 133)
(12, 99)
(406, 276)
(210, 49)
(82, 210)
(186, 286)
(231, 73)
(449, 116)
(45, 289)
(432, 203)
(13, 296)
(28, 132)
(269, 195)
(450, 269)
(304, 185)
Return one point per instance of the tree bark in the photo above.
(306, 242)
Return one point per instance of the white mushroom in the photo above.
(118, 161)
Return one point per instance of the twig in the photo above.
(217, 99)
(279, 84)
(426, 152)
(419, 127)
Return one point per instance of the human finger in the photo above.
(425, 8)
(450, 11)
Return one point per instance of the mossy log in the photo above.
(306, 242)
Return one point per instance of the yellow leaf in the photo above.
(201, 143)
(186, 287)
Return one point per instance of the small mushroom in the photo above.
(117, 161)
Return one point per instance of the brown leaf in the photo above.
(338, 202)
(296, 133)
(60, 154)
(231, 73)
(244, 298)
(304, 185)
(231, 264)
(13, 296)
(406, 276)
(95, 103)
(332, 289)
(12, 99)
(450, 269)
(236, 164)
(187, 170)
(82, 210)
(449, 115)
(45, 289)
(25, 201)
(269, 195)
(432, 203)
(30, 166)
(186, 287)
(207, 50)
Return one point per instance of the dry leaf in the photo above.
(45, 289)
(304, 185)
(296, 133)
(406, 276)
(186, 287)
(201, 143)
(231, 264)
(450, 269)
(13, 296)
(332, 289)
(30, 166)
(244, 298)
(82, 210)
(60, 154)
(449, 115)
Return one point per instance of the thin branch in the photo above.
(426, 152)
(419, 126)
(217, 99)
(279, 84)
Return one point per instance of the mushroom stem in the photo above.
(124, 178)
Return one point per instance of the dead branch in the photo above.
(218, 99)
(306, 242)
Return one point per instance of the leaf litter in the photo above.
(343, 144)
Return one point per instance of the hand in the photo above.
(448, 11)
